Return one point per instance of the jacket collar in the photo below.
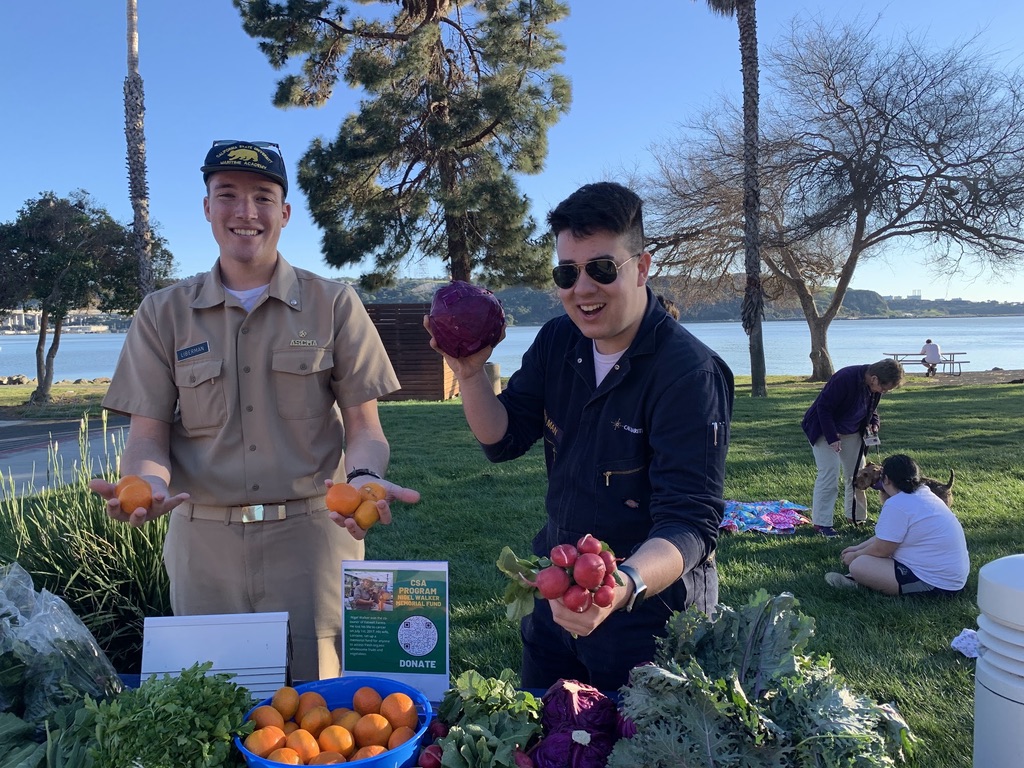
(644, 343)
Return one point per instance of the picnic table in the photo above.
(950, 364)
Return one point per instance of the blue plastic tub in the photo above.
(338, 692)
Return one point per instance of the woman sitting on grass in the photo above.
(918, 546)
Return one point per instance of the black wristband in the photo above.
(360, 473)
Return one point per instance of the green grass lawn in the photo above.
(888, 648)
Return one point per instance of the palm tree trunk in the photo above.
(753, 295)
(135, 136)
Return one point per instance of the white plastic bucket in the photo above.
(999, 675)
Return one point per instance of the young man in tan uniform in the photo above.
(251, 389)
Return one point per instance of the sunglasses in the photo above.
(603, 271)
(261, 144)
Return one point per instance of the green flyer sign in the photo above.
(395, 622)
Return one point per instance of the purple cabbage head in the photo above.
(465, 318)
(573, 749)
(570, 705)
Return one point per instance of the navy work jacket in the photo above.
(642, 455)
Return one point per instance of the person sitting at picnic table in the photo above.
(932, 357)
(918, 547)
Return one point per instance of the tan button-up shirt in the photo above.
(252, 398)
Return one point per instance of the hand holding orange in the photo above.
(133, 492)
(343, 499)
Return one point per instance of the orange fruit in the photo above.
(335, 738)
(371, 751)
(316, 720)
(399, 709)
(337, 713)
(265, 740)
(266, 715)
(286, 756)
(373, 491)
(366, 515)
(366, 700)
(304, 743)
(290, 726)
(400, 735)
(134, 492)
(372, 729)
(307, 701)
(327, 758)
(348, 720)
(286, 701)
(343, 498)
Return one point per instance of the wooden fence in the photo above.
(423, 373)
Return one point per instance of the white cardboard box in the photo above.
(251, 646)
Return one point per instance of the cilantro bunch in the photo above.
(187, 721)
(738, 690)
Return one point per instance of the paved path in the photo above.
(36, 454)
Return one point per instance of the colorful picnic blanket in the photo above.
(779, 517)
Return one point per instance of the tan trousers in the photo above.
(826, 486)
(291, 565)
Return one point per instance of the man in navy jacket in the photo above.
(634, 413)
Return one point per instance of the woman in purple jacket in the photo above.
(835, 424)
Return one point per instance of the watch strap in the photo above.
(639, 588)
(360, 473)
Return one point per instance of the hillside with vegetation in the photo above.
(532, 306)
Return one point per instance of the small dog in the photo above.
(870, 476)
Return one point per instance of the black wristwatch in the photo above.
(639, 588)
(360, 473)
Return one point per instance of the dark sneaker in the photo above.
(825, 530)
(840, 581)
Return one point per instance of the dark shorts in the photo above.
(910, 584)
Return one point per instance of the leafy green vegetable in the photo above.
(488, 718)
(187, 721)
(71, 737)
(737, 690)
(18, 747)
(522, 571)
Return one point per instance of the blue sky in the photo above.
(635, 77)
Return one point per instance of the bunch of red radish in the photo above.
(582, 576)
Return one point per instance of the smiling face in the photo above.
(608, 314)
(247, 212)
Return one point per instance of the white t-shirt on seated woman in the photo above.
(931, 539)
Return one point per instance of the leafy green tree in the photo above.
(459, 97)
(69, 254)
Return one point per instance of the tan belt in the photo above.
(254, 513)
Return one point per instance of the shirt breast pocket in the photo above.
(301, 379)
(201, 400)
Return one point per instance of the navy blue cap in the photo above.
(262, 157)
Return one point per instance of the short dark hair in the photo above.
(601, 207)
(888, 371)
(902, 472)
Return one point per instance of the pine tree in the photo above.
(459, 98)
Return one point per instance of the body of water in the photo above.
(989, 342)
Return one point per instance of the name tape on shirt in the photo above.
(195, 349)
